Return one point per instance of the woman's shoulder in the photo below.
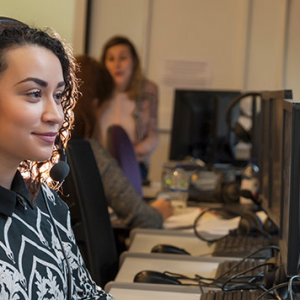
(149, 86)
(52, 196)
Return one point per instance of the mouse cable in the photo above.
(246, 257)
(181, 276)
(273, 288)
(197, 279)
(252, 278)
(290, 285)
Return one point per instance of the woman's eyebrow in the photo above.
(36, 80)
(61, 84)
(40, 82)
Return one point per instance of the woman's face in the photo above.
(119, 63)
(30, 104)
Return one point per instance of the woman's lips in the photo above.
(48, 137)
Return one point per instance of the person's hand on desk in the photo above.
(164, 206)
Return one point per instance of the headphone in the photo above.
(250, 224)
(240, 132)
(227, 192)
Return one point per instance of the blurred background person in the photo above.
(132, 101)
(130, 208)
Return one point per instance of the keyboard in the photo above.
(241, 246)
(233, 295)
(244, 295)
(225, 266)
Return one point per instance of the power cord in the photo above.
(273, 288)
(290, 286)
(246, 257)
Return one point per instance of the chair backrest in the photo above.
(121, 148)
(83, 192)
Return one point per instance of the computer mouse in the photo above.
(155, 277)
(162, 248)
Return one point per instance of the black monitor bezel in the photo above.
(177, 96)
(270, 100)
(290, 249)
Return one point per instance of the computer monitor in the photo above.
(199, 127)
(271, 151)
(290, 191)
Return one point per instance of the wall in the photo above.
(291, 77)
(242, 41)
(66, 17)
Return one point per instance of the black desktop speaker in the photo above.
(240, 132)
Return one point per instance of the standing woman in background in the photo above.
(39, 257)
(132, 103)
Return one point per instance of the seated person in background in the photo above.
(120, 194)
(132, 101)
(39, 258)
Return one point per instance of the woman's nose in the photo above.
(53, 111)
(118, 63)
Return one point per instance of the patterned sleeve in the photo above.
(148, 111)
(83, 287)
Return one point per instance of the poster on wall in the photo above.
(186, 73)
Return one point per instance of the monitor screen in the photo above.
(290, 196)
(199, 126)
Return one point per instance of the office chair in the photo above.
(83, 192)
(121, 148)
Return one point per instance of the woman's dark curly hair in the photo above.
(19, 35)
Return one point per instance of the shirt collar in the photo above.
(10, 198)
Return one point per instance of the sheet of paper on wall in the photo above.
(186, 74)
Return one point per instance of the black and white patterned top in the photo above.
(32, 265)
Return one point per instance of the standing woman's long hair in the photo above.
(92, 93)
(18, 35)
(134, 89)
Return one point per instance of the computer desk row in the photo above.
(139, 258)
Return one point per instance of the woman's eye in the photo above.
(58, 96)
(35, 94)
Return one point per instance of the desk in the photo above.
(132, 263)
(138, 291)
(143, 240)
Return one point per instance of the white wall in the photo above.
(244, 41)
(115, 17)
(291, 78)
(66, 17)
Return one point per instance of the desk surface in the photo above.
(132, 263)
(138, 291)
(143, 240)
